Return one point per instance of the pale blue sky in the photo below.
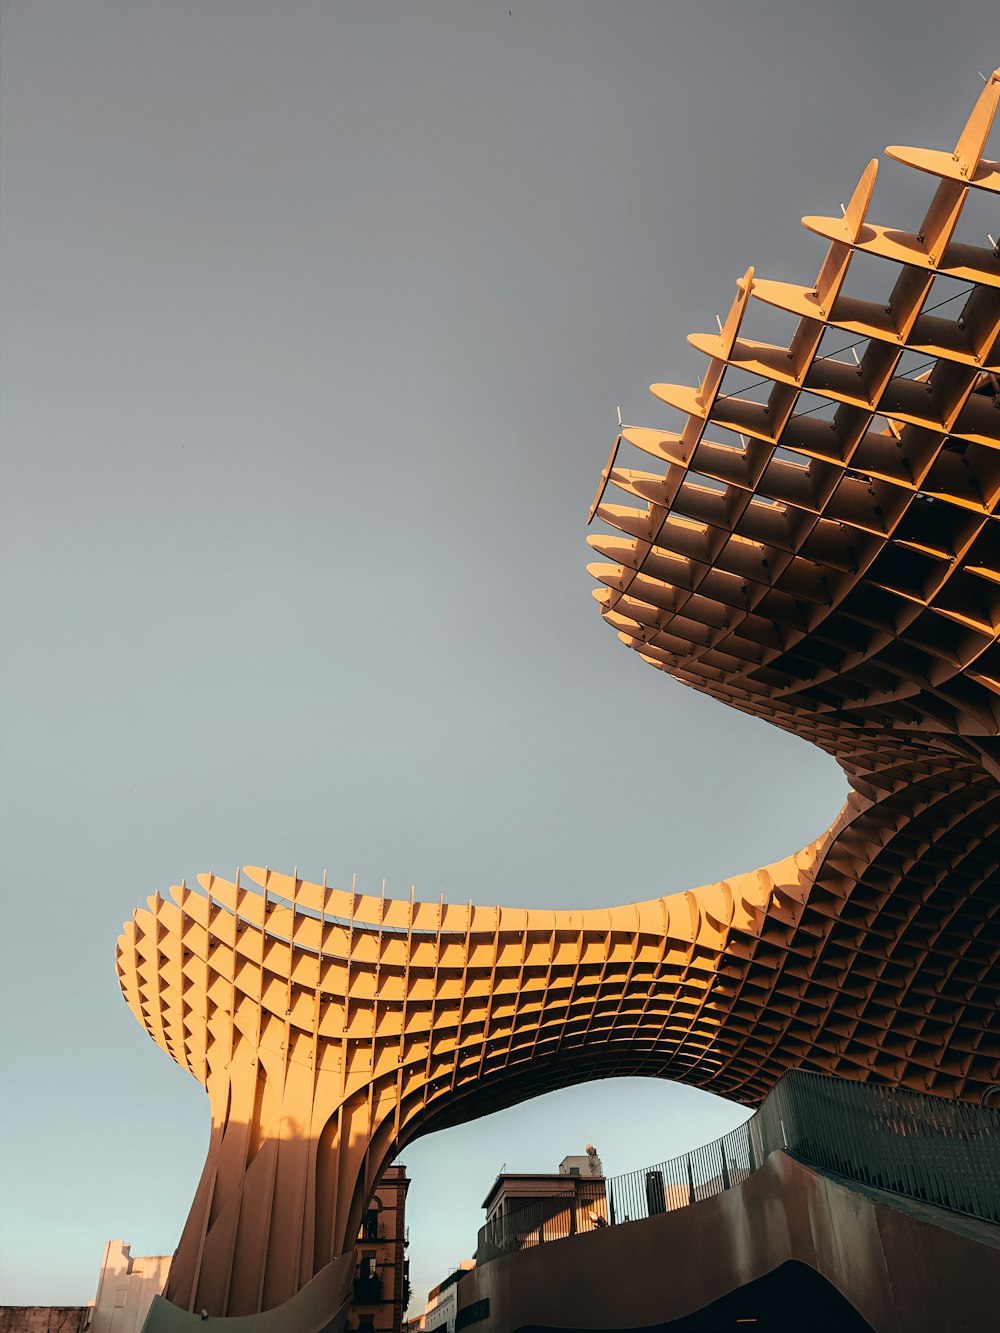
(315, 321)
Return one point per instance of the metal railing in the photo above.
(928, 1148)
(536, 1222)
(368, 1290)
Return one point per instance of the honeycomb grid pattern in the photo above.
(836, 574)
(829, 560)
(330, 1027)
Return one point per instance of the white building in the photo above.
(582, 1166)
(439, 1313)
(126, 1288)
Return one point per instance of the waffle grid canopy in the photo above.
(818, 548)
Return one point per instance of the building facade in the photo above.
(524, 1209)
(577, 1199)
(438, 1315)
(382, 1276)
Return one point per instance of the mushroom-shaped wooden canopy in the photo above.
(818, 548)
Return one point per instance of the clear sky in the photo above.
(315, 320)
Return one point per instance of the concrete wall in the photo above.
(906, 1268)
(43, 1318)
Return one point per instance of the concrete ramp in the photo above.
(877, 1261)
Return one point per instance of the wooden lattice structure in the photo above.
(832, 568)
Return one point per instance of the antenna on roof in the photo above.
(619, 411)
(718, 321)
(982, 76)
